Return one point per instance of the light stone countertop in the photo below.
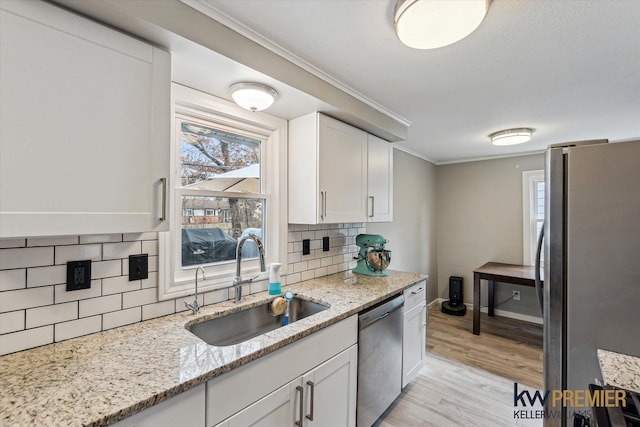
(620, 370)
(99, 379)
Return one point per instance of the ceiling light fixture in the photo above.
(253, 96)
(429, 24)
(511, 136)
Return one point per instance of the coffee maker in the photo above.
(373, 258)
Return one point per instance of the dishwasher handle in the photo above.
(380, 311)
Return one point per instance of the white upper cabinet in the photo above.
(329, 173)
(85, 126)
(380, 180)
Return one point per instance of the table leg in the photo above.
(491, 301)
(476, 303)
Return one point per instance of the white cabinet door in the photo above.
(277, 409)
(85, 126)
(330, 391)
(184, 410)
(342, 171)
(380, 180)
(327, 171)
(413, 341)
(328, 394)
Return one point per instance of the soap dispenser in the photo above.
(274, 279)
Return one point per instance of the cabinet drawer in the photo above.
(415, 295)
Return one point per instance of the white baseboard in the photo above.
(510, 314)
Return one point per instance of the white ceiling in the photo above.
(569, 69)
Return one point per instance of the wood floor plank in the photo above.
(467, 380)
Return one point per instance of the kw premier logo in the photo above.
(558, 399)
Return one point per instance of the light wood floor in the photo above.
(467, 380)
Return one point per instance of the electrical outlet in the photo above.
(516, 295)
(306, 246)
(78, 275)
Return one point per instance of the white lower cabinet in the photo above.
(311, 382)
(323, 397)
(184, 410)
(414, 332)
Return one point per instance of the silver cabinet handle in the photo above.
(323, 204)
(373, 206)
(163, 216)
(301, 407)
(310, 415)
(417, 291)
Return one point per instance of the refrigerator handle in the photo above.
(538, 280)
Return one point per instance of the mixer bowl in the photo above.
(378, 259)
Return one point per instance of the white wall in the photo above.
(412, 234)
(479, 211)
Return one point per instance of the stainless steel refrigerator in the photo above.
(591, 290)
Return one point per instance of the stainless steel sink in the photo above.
(246, 324)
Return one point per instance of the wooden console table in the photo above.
(497, 272)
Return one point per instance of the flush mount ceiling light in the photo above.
(511, 136)
(253, 96)
(429, 24)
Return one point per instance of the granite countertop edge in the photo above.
(85, 382)
(620, 370)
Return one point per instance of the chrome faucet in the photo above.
(239, 281)
(195, 306)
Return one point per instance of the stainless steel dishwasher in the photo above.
(379, 359)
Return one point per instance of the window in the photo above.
(533, 213)
(227, 182)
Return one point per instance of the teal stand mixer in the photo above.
(373, 258)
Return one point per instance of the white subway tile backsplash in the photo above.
(25, 257)
(13, 279)
(112, 301)
(43, 276)
(52, 241)
(306, 275)
(65, 254)
(51, 314)
(150, 247)
(138, 298)
(102, 269)
(121, 250)
(313, 264)
(216, 296)
(140, 236)
(293, 278)
(26, 339)
(62, 295)
(300, 266)
(121, 318)
(151, 281)
(118, 285)
(77, 328)
(158, 309)
(154, 263)
(11, 322)
(12, 243)
(319, 272)
(25, 298)
(101, 238)
(99, 305)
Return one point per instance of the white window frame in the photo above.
(175, 281)
(529, 220)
